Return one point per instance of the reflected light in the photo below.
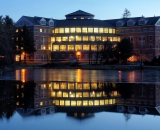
(23, 75)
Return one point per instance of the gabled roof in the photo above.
(79, 13)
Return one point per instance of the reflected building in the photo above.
(78, 98)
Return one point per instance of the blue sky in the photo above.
(57, 9)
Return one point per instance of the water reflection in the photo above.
(79, 75)
(78, 99)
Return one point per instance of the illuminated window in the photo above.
(59, 94)
(110, 30)
(41, 103)
(58, 39)
(53, 94)
(95, 30)
(52, 30)
(92, 94)
(73, 103)
(113, 31)
(79, 103)
(100, 47)
(98, 38)
(56, 85)
(94, 85)
(52, 39)
(78, 30)
(16, 38)
(65, 94)
(84, 30)
(105, 30)
(70, 85)
(119, 39)
(114, 39)
(104, 38)
(62, 47)
(96, 102)
(71, 38)
(90, 30)
(94, 47)
(78, 38)
(64, 39)
(70, 47)
(66, 30)
(106, 102)
(79, 94)
(82, 18)
(67, 103)
(100, 30)
(85, 47)
(110, 39)
(92, 38)
(61, 102)
(17, 103)
(85, 94)
(78, 47)
(61, 30)
(98, 94)
(40, 30)
(115, 93)
(90, 102)
(63, 85)
(56, 30)
(16, 30)
(85, 38)
(101, 102)
(86, 86)
(57, 102)
(79, 86)
(72, 30)
(71, 94)
(85, 103)
(110, 101)
(43, 47)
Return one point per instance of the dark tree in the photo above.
(126, 13)
(125, 48)
(6, 42)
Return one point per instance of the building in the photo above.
(81, 36)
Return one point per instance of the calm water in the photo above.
(126, 100)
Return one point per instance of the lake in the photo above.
(79, 99)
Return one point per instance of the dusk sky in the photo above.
(57, 9)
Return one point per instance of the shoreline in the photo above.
(83, 67)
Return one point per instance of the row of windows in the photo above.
(84, 38)
(85, 30)
(85, 102)
(77, 47)
(81, 94)
(136, 30)
(63, 85)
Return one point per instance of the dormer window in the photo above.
(119, 23)
(51, 22)
(43, 21)
(142, 21)
(129, 23)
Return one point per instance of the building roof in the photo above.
(80, 23)
(151, 21)
(79, 13)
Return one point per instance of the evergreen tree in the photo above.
(6, 42)
(126, 13)
(125, 48)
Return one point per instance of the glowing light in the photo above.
(132, 59)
